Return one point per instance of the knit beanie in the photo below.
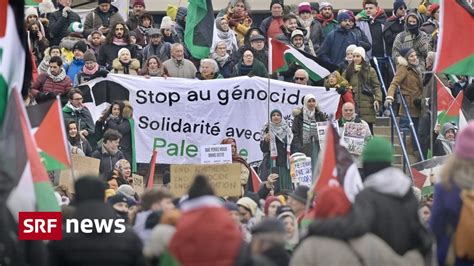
(166, 23)
(343, 16)
(89, 188)
(117, 199)
(104, 2)
(296, 33)
(304, 7)
(360, 51)
(405, 52)
(122, 50)
(231, 206)
(89, 56)
(351, 48)
(275, 111)
(377, 150)
(269, 201)
(433, 8)
(76, 27)
(280, 2)
(139, 3)
(31, 11)
(81, 46)
(397, 4)
(331, 202)
(269, 225)
(314, 5)
(324, 4)
(248, 204)
(464, 146)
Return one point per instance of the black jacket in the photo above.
(297, 129)
(109, 51)
(58, 25)
(386, 207)
(281, 159)
(104, 249)
(122, 125)
(107, 160)
(392, 27)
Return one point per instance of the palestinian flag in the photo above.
(282, 55)
(24, 175)
(32, 2)
(453, 112)
(15, 62)
(455, 56)
(48, 124)
(199, 28)
(256, 181)
(337, 167)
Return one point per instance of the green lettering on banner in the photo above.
(173, 149)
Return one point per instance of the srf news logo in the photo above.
(48, 226)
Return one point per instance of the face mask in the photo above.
(413, 29)
(34, 34)
(122, 215)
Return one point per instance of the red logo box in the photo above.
(39, 226)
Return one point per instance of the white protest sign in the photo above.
(322, 128)
(178, 116)
(304, 175)
(354, 136)
(216, 154)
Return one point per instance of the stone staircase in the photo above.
(382, 128)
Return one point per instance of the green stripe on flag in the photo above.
(3, 97)
(45, 199)
(32, 2)
(50, 163)
(289, 57)
(464, 67)
(199, 28)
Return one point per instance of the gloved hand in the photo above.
(101, 73)
(388, 101)
(341, 90)
(45, 96)
(376, 106)
(417, 103)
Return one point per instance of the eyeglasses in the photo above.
(78, 99)
(300, 78)
(248, 55)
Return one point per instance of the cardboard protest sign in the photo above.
(225, 178)
(81, 166)
(354, 135)
(216, 154)
(138, 184)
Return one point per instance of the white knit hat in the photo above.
(123, 50)
(31, 11)
(351, 48)
(166, 23)
(360, 51)
(46, 7)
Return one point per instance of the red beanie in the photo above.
(140, 3)
(269, 201)
(331, 202)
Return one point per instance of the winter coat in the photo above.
(297, 129)
(44, 84)
(96, 18)
(73, 68)
(364, 41)
(392, 27)
(265, 25)
(58, 25)
(83, 119)
(420, 43)
(107, 160)
(343, 89)
(369, 248)
(445, 214)
(133, 68)
(205, 234)
(124, 127)
(386, 207)
(374, 31)
(281, 160)
(185, 69)
(109, 51)
(410, 84)
(84, 145)
(132, 22)
(162, 51)
(431, 27)
(331, 26)
(124, 249)
(316, 34)
(82, 77)
(333, 49)
(364, 103)
(258, 69)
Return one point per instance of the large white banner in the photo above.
(178, 116)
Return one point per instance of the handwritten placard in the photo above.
(137, 184)
(82, 166)
(216, 154)
(225, 178)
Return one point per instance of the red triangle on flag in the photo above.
(277, 55)
(444, 97)
(418, 178)
(327, 173)
(50, 135)
(453, 109)
(256, 181)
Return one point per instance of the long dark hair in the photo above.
(363, 73)
(109, 110)
(110, 36)
(72, 140)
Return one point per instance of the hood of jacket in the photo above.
(134, 64)
(113, 9)
(390, 181)
(418, 23)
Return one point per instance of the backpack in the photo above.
(464, 235)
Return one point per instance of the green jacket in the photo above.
(364, 103)
(82, 117)
(258, 69)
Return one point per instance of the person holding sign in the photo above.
(275, 145)
(305, 131)
(245, 173)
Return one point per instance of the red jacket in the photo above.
(206, 236)
(346, 97)
(45, 84)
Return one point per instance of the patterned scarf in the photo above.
(283, 132)
(310, 131)
(90, 71)
(119, 42)
(324, 21)
(60, 77)
(221, 60)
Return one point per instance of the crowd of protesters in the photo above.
(386, 224)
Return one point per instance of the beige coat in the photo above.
(411, 86)
(119, 69)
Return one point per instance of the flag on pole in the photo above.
(151, 170)
(455, 56)
(48, 124)
(27, 178)
(256, 181)
(199, 24)
(337, 167)
(15, 64)
(453, 112)
(282, 55)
